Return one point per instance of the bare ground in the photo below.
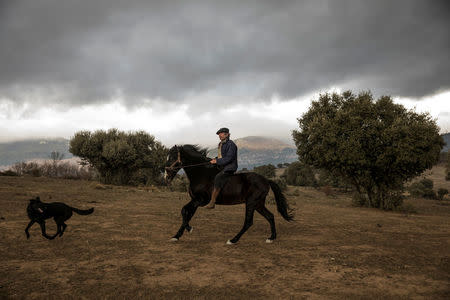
(332, 250)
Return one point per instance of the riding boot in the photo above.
(214, 195)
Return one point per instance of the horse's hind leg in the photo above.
(270, 218)
(187, 213)
(249, 212)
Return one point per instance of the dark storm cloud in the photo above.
(90, 51)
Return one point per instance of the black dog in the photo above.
(39, 211)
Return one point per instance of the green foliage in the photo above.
(422, 188)
(441, 193)
(179, 184)
(8, 173)
(300, 174)
(53, 169)
(265, 170)
(416, 189)
(119, 157)
(333, 179)
(447, 169)
(427, 183)
(375, 145)
(281, 183)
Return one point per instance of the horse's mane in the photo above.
(195, 151)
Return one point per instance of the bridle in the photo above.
(173, 165)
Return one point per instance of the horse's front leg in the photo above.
(187, 212)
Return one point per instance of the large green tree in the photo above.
(375, 145)
(120, 157)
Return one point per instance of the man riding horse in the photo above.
(227, 160)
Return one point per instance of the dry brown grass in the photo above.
(332, 250)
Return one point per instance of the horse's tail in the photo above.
(83, 211)
(282, 205)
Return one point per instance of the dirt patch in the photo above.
(331, 250)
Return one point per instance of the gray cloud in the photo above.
(85, 52)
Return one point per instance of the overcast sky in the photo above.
(181, 69)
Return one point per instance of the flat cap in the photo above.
(226, 130)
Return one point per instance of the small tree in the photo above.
(447, 170)
(265, 170)
(119, 157)
(441, 193)
(375, 145)
(300, 174)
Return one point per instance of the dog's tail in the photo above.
(83, 211)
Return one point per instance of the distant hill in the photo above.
(13, 152)
(256, 151)
(261, 143)
(253, 150)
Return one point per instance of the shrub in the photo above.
(179, 184)
(423, 188)
(59, 169)
(359, 199)
(328, 190)
(300, 174)
(8, 173)
(281, 183)
(427, 183)
(120, 157)
(441, 193)
(265, 170)
(416, 189)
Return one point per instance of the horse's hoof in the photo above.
(230, 242)
(192, 229)
(269, 241)
(174, 240)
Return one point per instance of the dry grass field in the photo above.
(122, 251)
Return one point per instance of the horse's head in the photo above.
(173, 163)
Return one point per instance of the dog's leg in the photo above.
(44, 233)
(60, 225)
(63, 225)
(61, 228)
(28, 227)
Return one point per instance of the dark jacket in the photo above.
(229, 156)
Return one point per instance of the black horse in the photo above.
(249, 188)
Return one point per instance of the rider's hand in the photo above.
(213, 161)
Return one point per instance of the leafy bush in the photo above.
(447, 169)
(281, 183)
(300, 174)
(179, 184)
(423, 188)
(119, 157)
(8, 173)
(265, 170)
(441, 193)
(427, 183)
(359, 199)
(64, 170)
